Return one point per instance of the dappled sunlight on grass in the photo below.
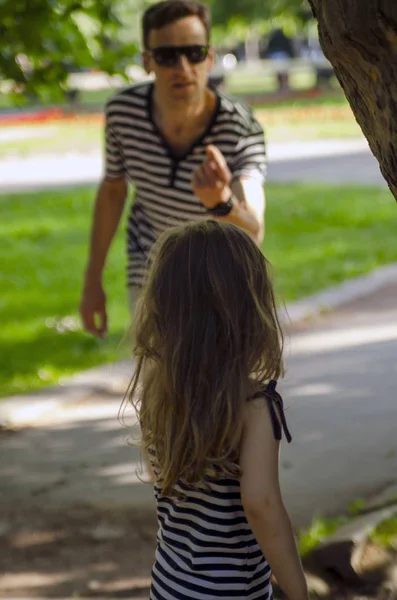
(316, 236)
(44, 245)
(320, 235)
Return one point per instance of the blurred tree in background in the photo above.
(43, 40)
(249, 12)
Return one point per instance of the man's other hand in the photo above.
(93, 309)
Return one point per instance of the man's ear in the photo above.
(211, 59)
(146, 59)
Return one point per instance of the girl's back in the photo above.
(206, 548)
(205, 543)
(207, 339)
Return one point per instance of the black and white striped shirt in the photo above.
(205, 546)
(136, 149)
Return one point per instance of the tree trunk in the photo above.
(359, 38)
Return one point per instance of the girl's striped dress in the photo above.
(205, 547)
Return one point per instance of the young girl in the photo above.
(207, 340)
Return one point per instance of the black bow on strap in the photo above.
(276, 407)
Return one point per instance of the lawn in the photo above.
(316, 236)
(76, 135)
(43, 248)
(308, 122)
(304, 119)
(320, 235)
(262, 78)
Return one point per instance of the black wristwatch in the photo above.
(222, 209)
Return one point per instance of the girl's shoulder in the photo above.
(267, 395)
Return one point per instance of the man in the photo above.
(190, 152)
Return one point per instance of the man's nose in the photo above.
(183, 64)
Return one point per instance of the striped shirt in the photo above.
(205, 546)
(136, 149)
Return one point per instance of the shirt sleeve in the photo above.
(114, 161)
(250, 158)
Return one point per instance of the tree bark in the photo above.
(359, 38)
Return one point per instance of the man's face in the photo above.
(178, 77)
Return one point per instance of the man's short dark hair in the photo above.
(168, 11)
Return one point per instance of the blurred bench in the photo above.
(324, 74)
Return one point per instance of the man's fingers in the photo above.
(88, 318)
(213, 153)
(218, 162)
(210, 174)
(198, 179)
(94, 321)
(103, 322)
(93, 309)
(207, 176)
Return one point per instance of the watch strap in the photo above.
(222, 209)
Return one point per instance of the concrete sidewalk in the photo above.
(331, 161)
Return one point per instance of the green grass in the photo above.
(356, 507)
(97, 97)
(386, 534)
(320, 235)
(324, 99)
(316, 236)
(43, 252)
(57, 137)
(286, 127)
(320, 529)
(313, 119)
(262, 81)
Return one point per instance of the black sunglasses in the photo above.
(168, 56)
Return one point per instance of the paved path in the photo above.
(359, 167)
(326, 161)
(341, 395)
(341, 389)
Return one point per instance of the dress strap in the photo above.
(276, 407)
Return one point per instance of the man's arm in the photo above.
(248, 168)
(108, 209)
(213, 184)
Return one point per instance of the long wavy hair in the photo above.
(206, 335)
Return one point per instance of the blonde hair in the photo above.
(206, 328)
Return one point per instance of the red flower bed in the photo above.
(51, 115)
